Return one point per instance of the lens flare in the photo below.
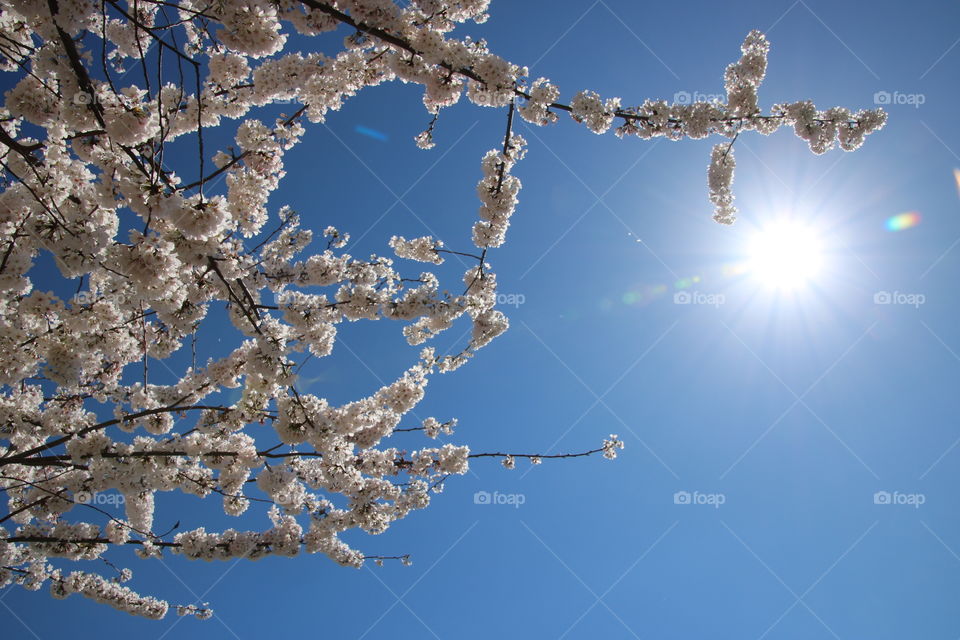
(686, 283)
(371, 133)
(734, 269)
(903, 221)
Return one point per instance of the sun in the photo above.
(785, 255)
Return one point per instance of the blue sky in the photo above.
(793, 409)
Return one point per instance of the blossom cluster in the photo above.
(422, 249)
(498, 191)
(720, 179)
(152, 254)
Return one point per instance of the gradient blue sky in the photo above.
(796, 409)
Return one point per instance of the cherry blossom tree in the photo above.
(102, 89)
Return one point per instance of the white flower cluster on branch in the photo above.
(152, 244)
(422, 249)
(720, 180)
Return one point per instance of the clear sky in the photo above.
(782, 412)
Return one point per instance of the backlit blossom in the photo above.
(159, 228)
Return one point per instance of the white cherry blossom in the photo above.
(153, 245)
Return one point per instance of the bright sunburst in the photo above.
(785, 255)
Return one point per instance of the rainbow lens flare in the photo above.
(903, 221)
(686, 283)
